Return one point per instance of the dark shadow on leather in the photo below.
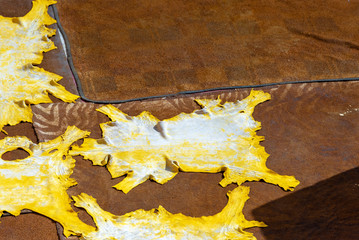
(326, 210)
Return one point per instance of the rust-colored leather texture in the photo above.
(130, 49)
(145, 48)
(310, 131)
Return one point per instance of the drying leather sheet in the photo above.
(310, 132)
(30, 225)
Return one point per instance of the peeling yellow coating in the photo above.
(39, 182)
(219, 137)
(160, 224)
(22, 43)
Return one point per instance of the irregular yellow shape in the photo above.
(22, 42)
(216, 138)
(160, 224)
(39, 182)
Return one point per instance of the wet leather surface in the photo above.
(310, 132)
(125, 50)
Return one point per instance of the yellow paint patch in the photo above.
(39, 182)
(22, 43)
(160, 224)
(216, 138)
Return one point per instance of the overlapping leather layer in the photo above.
(125, 50)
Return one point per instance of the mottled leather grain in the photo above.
(27, 226)
(130, 49)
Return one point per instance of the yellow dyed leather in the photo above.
(220, 137)
(22, 43)
(160, 224)
(39, 182)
